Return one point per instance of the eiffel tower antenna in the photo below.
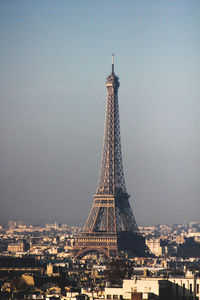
(111, 226)
(113, 63)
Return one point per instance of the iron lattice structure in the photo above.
(111, 226)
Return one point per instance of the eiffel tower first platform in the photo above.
(111, 226)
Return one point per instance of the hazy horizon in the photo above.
(43, 222)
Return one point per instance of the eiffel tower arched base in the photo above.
(96, 242)
(85, 251)
(111, 245)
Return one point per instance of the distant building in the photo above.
(156, 288)
(20, 246)
(49, 269)
(21, 265)
(179, 239)
(52, 226)
(16, 247)
(154, 246)
(12, 223)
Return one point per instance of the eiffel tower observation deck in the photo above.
(111, 226)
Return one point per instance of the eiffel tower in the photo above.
(111, 226)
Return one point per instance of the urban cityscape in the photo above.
(110, 256)
(37, 262)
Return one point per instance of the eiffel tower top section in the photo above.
(112, 79)
(111, 179)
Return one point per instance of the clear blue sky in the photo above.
(54, 59)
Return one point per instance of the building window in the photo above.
(108, 296)
(121, 297)
(190, 289)
(177, 289)
(197, 288)
(115, 296)
(183, 288)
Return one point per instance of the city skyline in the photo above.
(54, 61)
